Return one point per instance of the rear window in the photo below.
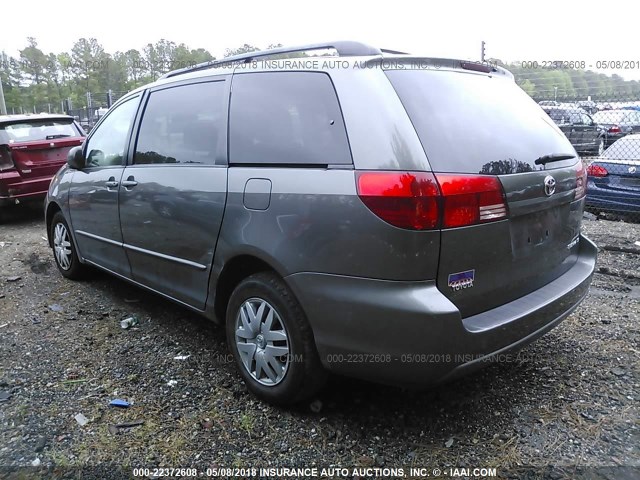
(610, 116)
(624, 149)
(473, 123)
(34, 130)
(286, 118)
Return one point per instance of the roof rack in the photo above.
(344, 49)
(393, 52)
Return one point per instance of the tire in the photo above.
(65, 252)
(284, 345)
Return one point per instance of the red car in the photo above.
(32, 150)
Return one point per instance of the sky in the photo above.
(538, 30)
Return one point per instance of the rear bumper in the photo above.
(410, 334)
(14, 188)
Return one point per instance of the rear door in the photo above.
(576, 130)
(480, 124)
(172, 195)
(590, 133)
(39, 146)
(621, 175)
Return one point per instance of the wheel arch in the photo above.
(234, 270)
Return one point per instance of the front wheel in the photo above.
(64, 250)
(272, 341)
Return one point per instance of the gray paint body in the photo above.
(365, 286)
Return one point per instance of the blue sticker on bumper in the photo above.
(461, 280)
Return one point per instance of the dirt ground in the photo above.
(566, 407)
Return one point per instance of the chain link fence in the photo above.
(87, 112)
(605, 131)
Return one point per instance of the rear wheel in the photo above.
(64, 250)
(272, 341)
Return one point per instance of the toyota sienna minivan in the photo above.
(370, 213)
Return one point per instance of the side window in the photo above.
(575, 119)
(586, 119)
(182, 125)
(286, 118)
(106, 145)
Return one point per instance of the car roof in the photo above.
(4, 119)
(319, 63)
(633, 136)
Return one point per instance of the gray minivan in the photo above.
(389, 217)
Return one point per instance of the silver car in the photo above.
(395, 218)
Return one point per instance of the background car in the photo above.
(32, 150)
(613, 182)
(588, 106)
(586, 136)
(618, 123)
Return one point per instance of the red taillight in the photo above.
(471, 199)
(403, 199)
(423, 201)
(581, 180)
(6, 162)
(597, 171)
(614, 129)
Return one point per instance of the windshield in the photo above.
(472, 123)
(41, 129)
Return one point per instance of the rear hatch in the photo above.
(618, 170)
(38, 147)
(481, 128)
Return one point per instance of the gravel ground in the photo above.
(569, 400)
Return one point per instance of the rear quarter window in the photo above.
(291, 118)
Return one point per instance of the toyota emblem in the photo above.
(549, 185)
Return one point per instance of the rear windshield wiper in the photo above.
(51, 137)
(554, 157)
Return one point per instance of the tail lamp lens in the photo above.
(6, 162)
(424, 201)
(597, 171)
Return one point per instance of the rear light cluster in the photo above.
(425, 201)
(6, 162)
(614, 129)
(581, 180)
(597, 171)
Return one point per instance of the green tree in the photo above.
(33, 62)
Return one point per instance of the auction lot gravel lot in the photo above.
(570, 400)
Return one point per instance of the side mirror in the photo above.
(75, 158)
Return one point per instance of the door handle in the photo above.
(130, 182)
(111, 183)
